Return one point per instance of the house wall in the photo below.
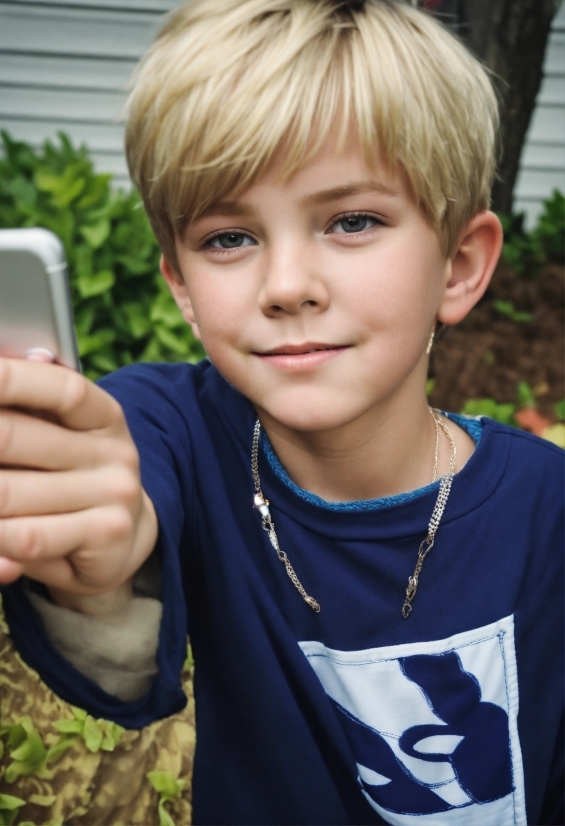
(65, 64)
(542, 166)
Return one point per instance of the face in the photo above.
(315, 297)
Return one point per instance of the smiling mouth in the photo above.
(300, 357)
(301, 349)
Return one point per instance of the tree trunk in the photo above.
(509, 37)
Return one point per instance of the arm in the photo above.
(73, 513)
(70, 495)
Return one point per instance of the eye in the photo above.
(351, 224)
(230, 240)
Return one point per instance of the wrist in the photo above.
(110, 602)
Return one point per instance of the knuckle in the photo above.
(4, 495)
(127, 455)
(124, 487)
(118, 453)
(27, 542)
(73, 393)
(6, 434)
(115, 412)
(5, 374)
(118, 526)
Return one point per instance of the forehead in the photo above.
(335, 171)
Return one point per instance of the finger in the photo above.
(56, 573)
(9, 570)
(37, 493)
(91, 541)
(27, 441)
(76, 402)
(40, 354)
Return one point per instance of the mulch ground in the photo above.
(487, 354)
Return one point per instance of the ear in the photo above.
(179, 291)
(471, 268)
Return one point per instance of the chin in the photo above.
(308, 413)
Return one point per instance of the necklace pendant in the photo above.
(262, 505)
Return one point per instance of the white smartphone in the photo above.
(35, 301)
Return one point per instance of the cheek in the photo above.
(399, 291)
(220, 308)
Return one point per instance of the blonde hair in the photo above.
(230, 84)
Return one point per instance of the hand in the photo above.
(73, 514)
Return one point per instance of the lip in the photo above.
(301, 356)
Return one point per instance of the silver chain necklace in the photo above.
(262, 505)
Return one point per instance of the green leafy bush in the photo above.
(123, 310)
(527, 251)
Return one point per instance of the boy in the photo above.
(317, 174)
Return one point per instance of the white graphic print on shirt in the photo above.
(432, 726)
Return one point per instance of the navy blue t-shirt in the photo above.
(353, 715)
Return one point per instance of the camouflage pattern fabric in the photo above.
(60, 767)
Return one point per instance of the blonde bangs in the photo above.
(230, 85)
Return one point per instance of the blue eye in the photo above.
(230, 241)
(353, 223)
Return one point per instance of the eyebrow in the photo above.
(243, 210)
(235, 208)
(346, 190)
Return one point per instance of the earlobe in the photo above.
(179, 291)
(471, 267)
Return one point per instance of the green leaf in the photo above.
(43, 799)
(488, 407)
(29, 755)
(189, 661)
(134, 265)
(79, 713)
(525, 395)
(165, 784)
(559, 408)
(105, 360)
(165, 311)
(89, 344)
(9, 803)
(64, 197)
(19, 768)
(68, 726)
(92, 734)
(507, 309)
(95, 284)
(23, 191)
(14, 734)
(46, 181)
(96, 234)
(164, 817)
(60, 748)
(116, 733)
(170, 340)
(82, 255)
(137, 318)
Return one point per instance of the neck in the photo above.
(386, 452)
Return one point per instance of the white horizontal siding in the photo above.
(159, 6)
(34, 28)
(65, 65)
(56, 71)
(542, 165)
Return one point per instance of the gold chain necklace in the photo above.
(426, 545)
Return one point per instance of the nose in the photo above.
(293, 282)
